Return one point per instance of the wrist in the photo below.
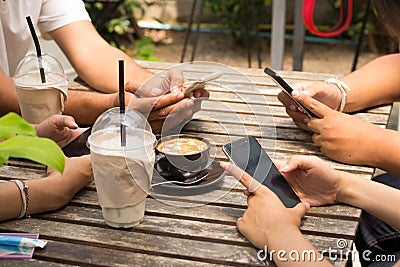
(347, 182)
(343, 89)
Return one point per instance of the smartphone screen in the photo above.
(78, 147)
(288, 90)
(247, 154)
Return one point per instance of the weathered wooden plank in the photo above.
(225, 209)
(12, 172)
(32, 263)
(167, 246)
(84, 255)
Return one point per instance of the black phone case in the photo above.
(78, 146)
(288, 90)
(247, 154)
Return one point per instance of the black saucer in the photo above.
(205, 177)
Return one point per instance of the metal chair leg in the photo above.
(189, 30)
(196, 38)
(361, 37)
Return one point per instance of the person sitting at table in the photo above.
(272, 227)
(349, 139)
(346, 138)
(95, 61)
(54, 190)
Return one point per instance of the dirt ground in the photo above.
(325, 58)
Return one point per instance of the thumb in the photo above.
(301, 209)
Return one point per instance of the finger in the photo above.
(176, 77)
(240, 224)
(317, 139)
(62, 121)
(301, 209)
(132, 86)
(178, 109)
(293, 163)
(168, 99)
(315, 125)
(201, 93)
(244, 178)
(318, 108)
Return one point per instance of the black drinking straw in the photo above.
(122, 100)
(37, 46)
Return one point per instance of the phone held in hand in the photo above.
(78, 146)
(247, 154)
(288, 90)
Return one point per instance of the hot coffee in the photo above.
(182, 146)
(184, 155)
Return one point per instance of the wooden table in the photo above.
(204, 232)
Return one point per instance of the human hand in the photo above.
(265, 215)
(60, 128)
(77, 174)
(313, 180)
(157, 100)
(326, 93)
(340, 136)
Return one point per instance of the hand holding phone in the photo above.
(200, 84)
(288, 90)
(247, 154)
(78, 146)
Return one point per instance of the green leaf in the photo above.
(3, 157)
(12, 124)
(41, 150)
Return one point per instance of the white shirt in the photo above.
(48, 15)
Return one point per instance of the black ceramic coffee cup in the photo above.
(184, 155)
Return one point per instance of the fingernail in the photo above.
(306, 120)
(224, 165)
(284, 168)
(75, 125)
(295, 93)
(307, 93)
(293, 107)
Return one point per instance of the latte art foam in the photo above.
(182, 146)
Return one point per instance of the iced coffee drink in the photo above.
(122, 174)
(38, 100)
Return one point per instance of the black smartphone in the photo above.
(247, 154)
(288, 90)
(78, 146)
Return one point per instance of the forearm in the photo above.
(377, 82)
(95, 61)
(105, 77)
(373, 197)
(85, 106)
(291, 248)
(387, 147)
(45, 194)
(8, 95)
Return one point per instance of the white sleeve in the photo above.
(57, 13)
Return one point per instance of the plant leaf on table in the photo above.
(12, 124)
(41, 150)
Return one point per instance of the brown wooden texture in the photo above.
(194, 230)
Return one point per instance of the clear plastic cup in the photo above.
(38, 100)
(122, 174)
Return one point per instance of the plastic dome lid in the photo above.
(53, 69)
(113, 119)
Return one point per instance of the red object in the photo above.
(346, 10)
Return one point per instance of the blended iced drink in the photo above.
(122, 174)
(38, 100)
